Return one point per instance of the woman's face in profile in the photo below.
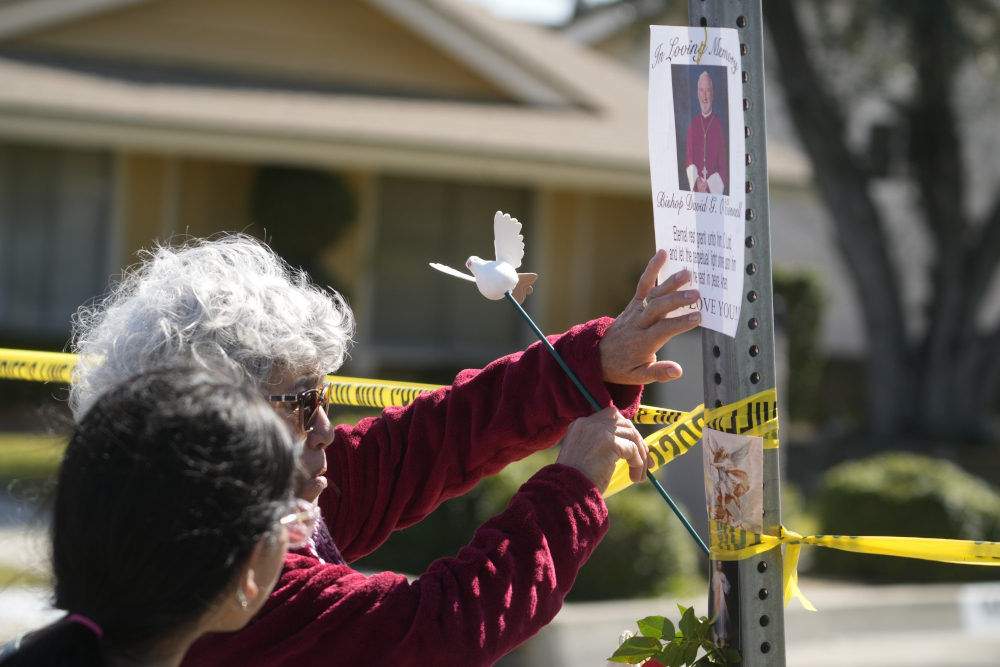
(316, 440)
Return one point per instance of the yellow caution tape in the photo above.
(36, 366)
(755, 415)
(728, 543)
(360, 392)
(650, 415)
(374, 393)
(664, 446)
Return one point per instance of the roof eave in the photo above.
(30, 15)
(330, 152)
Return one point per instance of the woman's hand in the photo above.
(628, 348)
(593, 445)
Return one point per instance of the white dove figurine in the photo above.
(496, 278)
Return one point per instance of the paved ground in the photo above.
(859, 626)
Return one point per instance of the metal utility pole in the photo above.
(738, 368)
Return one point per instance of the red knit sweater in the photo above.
(393, 471)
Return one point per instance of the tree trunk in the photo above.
(941, 387)
(843, 185)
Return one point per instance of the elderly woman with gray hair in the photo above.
(233, 299)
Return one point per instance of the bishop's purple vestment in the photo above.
(706, 147)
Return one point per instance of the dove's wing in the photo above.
(452, 272)
(507, 239)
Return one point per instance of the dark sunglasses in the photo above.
(307, 404)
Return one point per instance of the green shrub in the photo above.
(645, 553)
(795, 514)
(905, 495)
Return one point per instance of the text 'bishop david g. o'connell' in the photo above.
(699, 203)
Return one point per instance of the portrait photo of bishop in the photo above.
(702, 123)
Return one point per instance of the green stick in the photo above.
(597, 408)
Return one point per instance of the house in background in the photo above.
(127, 121)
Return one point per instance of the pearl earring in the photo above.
(241, 596)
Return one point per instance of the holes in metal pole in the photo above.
(747, 131)
(746, 105)
(765, 621)
(750, 242)
(765, 647)
(754, 350)
(751, 296)
(716, 351)
(749, 158)
(744, 49)
(750, 214)
(749, 187)
(755, 377)
(718, 403)
(741, 22)
(746, 77)
(751, 269)
(753, 323)
(762, 567)
(704, 22)
(762, 594)
(718, 378)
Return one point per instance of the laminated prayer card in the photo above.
(734, 481)
(697, 164)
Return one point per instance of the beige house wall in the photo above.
(597, 246)
(169, 196)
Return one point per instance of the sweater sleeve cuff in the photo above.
(574, 484)
(579, 348)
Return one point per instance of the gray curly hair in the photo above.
(229, 299)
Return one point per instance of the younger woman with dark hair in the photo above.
(172, 516)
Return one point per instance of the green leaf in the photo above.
(673, 656)
(682, 608)
(636, 649)
(689, 624)
(656, 626)
(690, 652)
(733, 655)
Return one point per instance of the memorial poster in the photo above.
(697, 164)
